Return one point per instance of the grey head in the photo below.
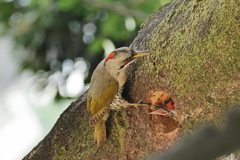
(119, 59)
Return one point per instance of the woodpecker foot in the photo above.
(86, 148)
(90, 146)
(136, 105)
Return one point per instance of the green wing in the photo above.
(100, 97)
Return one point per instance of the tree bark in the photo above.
(195, 60)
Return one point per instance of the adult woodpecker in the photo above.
(106, 87)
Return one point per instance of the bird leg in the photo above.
(136, 105)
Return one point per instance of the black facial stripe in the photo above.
(121, 67)
(128, 59)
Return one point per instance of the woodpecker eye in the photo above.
(132, 52)
(110, 56)
(128, 59)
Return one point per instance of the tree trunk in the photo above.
(195, 60)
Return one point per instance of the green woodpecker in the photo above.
(168, 109)
(106, 87)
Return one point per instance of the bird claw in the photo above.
(136, 105)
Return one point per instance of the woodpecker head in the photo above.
(117, 60)
(169, 109)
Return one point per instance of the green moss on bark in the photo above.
(195, 57)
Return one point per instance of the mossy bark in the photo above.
(195, 59)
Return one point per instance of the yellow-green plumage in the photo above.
(101, 93)
(108, 90)
(107, 82)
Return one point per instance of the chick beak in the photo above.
(141, 53)
(160, 112)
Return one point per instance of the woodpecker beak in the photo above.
(160, 112)
(169, 110)
(163, 112)
(141, 53)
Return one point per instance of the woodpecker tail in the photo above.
(100, 133)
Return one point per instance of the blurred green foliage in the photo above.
(52, 31)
